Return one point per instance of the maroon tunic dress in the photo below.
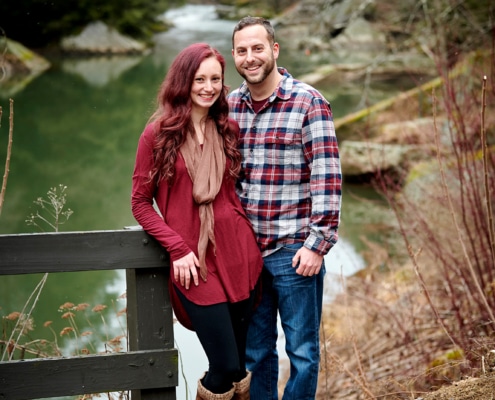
(235, 266)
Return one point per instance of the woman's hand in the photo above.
(185, 267)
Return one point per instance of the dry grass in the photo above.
(412, 328)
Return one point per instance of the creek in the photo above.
(78, 125)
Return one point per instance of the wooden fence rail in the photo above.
(150, 369)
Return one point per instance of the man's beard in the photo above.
(267, 68)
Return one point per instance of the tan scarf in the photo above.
(206, 168)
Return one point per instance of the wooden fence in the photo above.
(150, 369)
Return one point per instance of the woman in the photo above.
(187, 162)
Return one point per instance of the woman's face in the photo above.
(207, 84)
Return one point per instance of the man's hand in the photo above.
(308, 262)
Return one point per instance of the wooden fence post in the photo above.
(150, 320)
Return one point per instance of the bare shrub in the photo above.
(415, 326)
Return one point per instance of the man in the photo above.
(290, 187)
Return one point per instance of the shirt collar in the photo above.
(282, 91)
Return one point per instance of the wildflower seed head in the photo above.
(68, 314)
(122, 312)
(66, 306)
(66, 331)
(81, 306)
(99, 308)
(13, 316)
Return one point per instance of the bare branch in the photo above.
(9, 152)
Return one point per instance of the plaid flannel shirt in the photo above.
(290, 182)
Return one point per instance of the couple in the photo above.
(266, 178)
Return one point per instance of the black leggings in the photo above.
(222, 331)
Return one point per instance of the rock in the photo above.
(344, 33)
(98, 38)
(19, 66)
(23, 59)
(416, 131)
(361, 35)
(363, 158)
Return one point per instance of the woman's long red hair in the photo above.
(172, 118)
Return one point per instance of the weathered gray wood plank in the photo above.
(79, 251)
(150, 310)
(41, 378)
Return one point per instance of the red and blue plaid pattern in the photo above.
(290, 183)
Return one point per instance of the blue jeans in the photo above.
(298, 300)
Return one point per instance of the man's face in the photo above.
(254, 55)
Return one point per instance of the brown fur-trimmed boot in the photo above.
(205, 394)
(242, 388)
